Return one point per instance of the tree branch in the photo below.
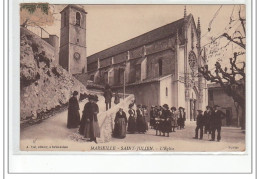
(232, 40)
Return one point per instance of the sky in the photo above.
(108, 25)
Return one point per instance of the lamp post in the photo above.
(123, 66)
(124, 84)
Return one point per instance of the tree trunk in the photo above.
(243, 117)
(25, 23)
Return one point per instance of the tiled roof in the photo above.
(150, 80)
(75, 7)
(146, 38)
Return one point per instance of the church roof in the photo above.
(146, 38)
(150, 80)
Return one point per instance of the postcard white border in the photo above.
(181, 162)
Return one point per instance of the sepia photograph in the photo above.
(133, 78)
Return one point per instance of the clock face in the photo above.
(76, 56)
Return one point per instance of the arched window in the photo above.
(166, 91)
(160, 67)
(78, 18)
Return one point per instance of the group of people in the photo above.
(136, 122)
(88, 125)
(162, 120)
(165, 120)
(210, 121)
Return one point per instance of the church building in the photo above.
(158, 67)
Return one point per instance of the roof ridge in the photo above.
(167, 32)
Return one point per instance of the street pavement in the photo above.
(53, 131)
(233, 139)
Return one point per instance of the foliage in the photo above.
(35, 14)
(31, 7)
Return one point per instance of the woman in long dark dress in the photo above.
(140, 120)
(73, 112)
(120, 124)
(86, 114)
(152, 117)
(131, 127)
(90, 112)
(166, 121)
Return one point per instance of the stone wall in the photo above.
(138, 68)
(217, 96)
(44, 85)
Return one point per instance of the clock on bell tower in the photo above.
(73, 39)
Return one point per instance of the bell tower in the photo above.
(73, 39)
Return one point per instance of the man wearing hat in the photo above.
(108, 96)
(208, 119)
(200, 124)
(217, 117)
(73, 112)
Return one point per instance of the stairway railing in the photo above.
(106, 119)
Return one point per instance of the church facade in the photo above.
(158, 67)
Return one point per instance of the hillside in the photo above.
(44, 85)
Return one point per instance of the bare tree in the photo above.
(231, 79)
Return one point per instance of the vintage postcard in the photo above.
(132, 78)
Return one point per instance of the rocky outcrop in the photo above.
(44, 85)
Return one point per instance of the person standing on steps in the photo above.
(108, 96)
(73, 112)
